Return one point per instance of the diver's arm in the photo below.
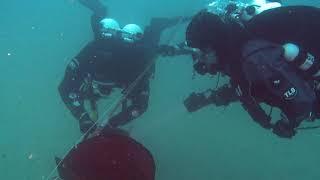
(96, 6)
(139, 103)
(162, 23)
(99, 11)
(223, 96)
(253, 108)
(292, 118)
(256, 113)
(73, 87)
(152, 32)
(70, 92)
(176, 50)
(284, 129)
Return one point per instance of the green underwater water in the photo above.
(38, 38)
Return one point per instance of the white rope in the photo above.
(82, 137)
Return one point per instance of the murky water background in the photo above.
(38, 38)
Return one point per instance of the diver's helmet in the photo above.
(132, 32)
(109, 27)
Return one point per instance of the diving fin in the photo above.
(95, 6)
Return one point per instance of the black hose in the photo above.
(308, 128)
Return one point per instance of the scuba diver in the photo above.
(267, 58)
(116, 58)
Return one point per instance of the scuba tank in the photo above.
(306, 63)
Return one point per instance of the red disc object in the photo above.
(111, 157)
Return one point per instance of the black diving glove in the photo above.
(86, 123)
(283, 129)
(196, 101)
(166, 50)
(120, 119)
